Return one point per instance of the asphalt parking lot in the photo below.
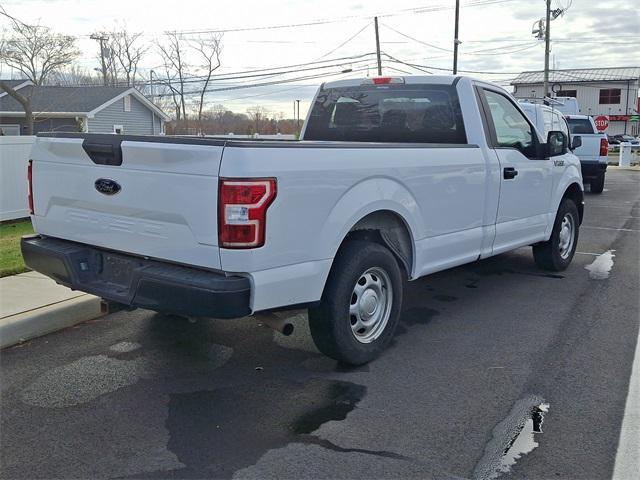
(484, 352)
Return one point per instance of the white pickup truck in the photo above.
(394, 178)
(594, 151)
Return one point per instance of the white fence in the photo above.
(14, 155)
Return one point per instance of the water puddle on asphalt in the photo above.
(525, 441)
(513, 438)
(600, 268)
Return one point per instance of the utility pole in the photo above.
(298, 102)
(547, 44)
(456, 42)
(101, 37)
(375, 23)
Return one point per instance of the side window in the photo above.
(511, 127)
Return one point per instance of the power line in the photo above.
(415, 39)
(417, 67)
(264, 84)
(325, 21)
(346, 41)
(502, 50)
(473, 52)
(338, 76)
(269, 71)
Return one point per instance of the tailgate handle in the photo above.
(105, 152)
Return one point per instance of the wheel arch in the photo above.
(387, 228)
(575, 193)
(380, 208)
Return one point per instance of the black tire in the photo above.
(597, 184)
(548, 255)
(331, 322)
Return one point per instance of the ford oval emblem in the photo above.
(107, 186)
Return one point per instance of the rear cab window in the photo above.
(390, 113)
(580, 125)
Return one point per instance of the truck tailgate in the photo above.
(165, 206)
(590, 149)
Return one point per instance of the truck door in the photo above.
(526, 179)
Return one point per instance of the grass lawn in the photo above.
(10, 256)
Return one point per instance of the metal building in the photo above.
(599, 91)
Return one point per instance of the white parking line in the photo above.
(627, 463)
(611, 228)
(590, 205)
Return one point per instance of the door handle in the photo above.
(509, 173)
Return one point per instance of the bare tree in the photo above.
(126, 50)
(173, 53)
(257, 115)
(35, 50)
(208, 49)
(37, 53)
(74, 76)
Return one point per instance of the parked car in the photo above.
(626, 138)
(594, 151)
(612, 140)
(394, 178)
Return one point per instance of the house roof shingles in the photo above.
(52, 99)
(13, 83)
(580, 75)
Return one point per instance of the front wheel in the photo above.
(360, 306)
(556, 253)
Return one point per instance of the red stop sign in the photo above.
(602, 122)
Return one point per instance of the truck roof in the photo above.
(406, 79)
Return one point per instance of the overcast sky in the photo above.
(495, 37)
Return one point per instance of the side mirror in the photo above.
(576, 142)
(557, 143)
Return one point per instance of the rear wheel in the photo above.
(360, 305)
(556, 253)
(597, 184)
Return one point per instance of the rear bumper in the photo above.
(138, 282)
(592, 169)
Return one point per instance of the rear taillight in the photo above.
(242, 211)
(30, 186)
(604, 147)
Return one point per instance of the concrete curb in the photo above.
(25, 326)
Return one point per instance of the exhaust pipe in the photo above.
(278, 324)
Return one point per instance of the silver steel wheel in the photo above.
(567, 236)
(371, 303)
